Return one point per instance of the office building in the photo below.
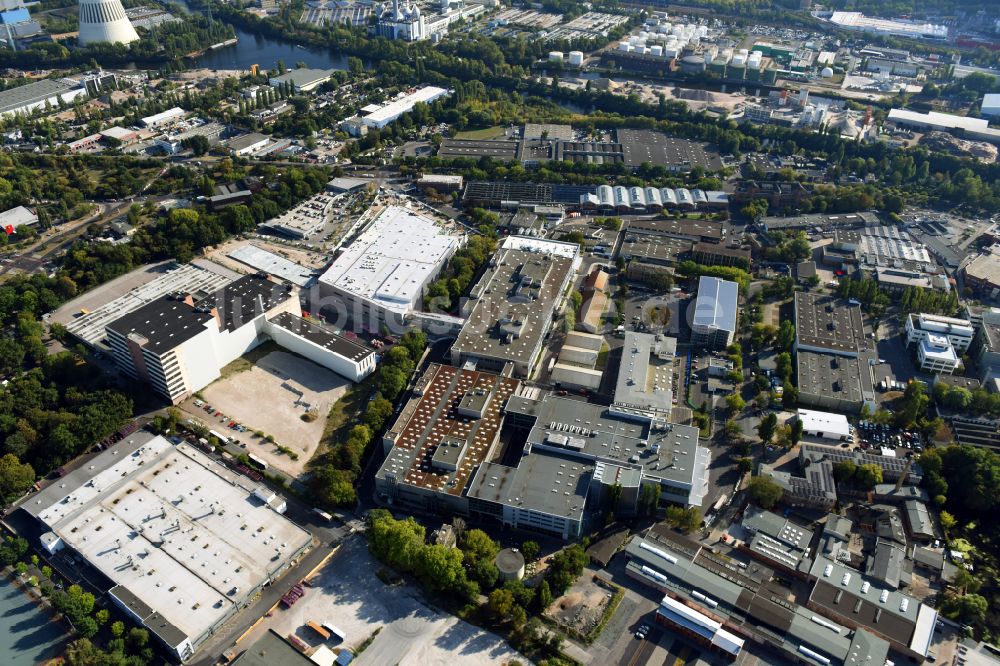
(179, 345)
(714, 323)
(940, 340)
(714, 254)
(182, 543)
(510, 311)
(105, 22)
(382, 275)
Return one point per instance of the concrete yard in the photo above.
(305, 258)
(271, 397)
(347, 594)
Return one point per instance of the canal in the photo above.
(28, 636)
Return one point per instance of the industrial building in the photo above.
(164, 118)
(382, 275)
(378, 116)
(982, 274)
(248, 144)
(888, 254)
(595, 302)
(105, 22)
(825, 425)
(35, 95)
(834, 358)
(199, 281)
(990, 106)
(891, 27)
(181, 542)
(16, 218)
(721, 606)
(576, 365)
(510, 310)
(964, 126)
(304, 220)
(715, 311)
(179, 345)
(645, 375)
(444, 455)
(302, 79)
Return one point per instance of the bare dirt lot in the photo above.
(220, 254)
(271, 396)
(347, 594)
(581, 608)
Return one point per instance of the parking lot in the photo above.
(272, 396)
(410, 631)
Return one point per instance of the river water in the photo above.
(28, 636)
(254, 49)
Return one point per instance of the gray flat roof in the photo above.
(717, 304)
(831, 376)
(668, 452)
(644, 376)
(165, 323)
(651, 248)
(513, 305)
(272, 650)
(641, 146)
(322, 337)
(269, 262)
(547, 482)
(30, 93)
(828, 323)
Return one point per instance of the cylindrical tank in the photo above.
(510, 562)
(576, 58)
(656, 51)
(669, 52)
(555, 56)
(827, 73)
(624, 46)
(739, 60)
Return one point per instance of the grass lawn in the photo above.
(345, 414)
(488, 133)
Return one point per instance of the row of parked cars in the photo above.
(880, 434)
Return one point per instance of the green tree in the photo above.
(378, 413)
(764, 491)
(735, 403)
(767, 427)
(15, 477)
(530, 550)
(477, 545)
(501, 603)
(544, 596)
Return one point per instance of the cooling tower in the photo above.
(104, 21)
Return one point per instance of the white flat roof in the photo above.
(177, 530)
(826, 422)
(716, 303)
(937, 119)
(269, 262)
(17, 217)
(404, 104)
(164, 115)
(533, 244)
(393, 258)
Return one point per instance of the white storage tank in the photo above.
(739, 60)
(827, 73)
(633, 40)
(670, 52)
(576, 58)
(624, 46)
(555, 56)
(656, 51)
(744, 53)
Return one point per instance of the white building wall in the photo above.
(199, 361)
(343, 366)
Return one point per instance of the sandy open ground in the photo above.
(271, 397)
(220, 254)
(347, 594)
